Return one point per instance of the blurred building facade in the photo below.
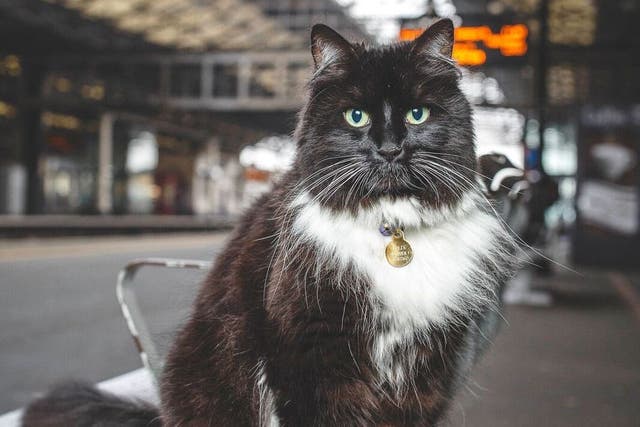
(143, 107)
(566, 75)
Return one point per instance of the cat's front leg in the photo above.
(328, 401)
(209, 377)
(322, 377)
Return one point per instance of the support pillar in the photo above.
(32, 145)
(105, 164)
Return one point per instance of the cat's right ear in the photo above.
(329, 47)
(436, 39)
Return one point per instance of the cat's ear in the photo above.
(327, 46)
(435, 40)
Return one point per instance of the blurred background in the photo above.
(132, 128)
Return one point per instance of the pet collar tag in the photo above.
(398, 251)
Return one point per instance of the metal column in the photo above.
(105, 164)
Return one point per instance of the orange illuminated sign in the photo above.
(471, 43)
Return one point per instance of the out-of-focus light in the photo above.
(10, 65)
(468, 54)
(572, 22)
(447, 10)
(532, 134)
(499, 130)
(561, 86)
(559, 156)
(156, 191)
(95, 92)
(495, 7)
(142, 153)
(525, 7)
(7, 110)
(510, 41)
(272, 154)
(480, 89)
(62, 84)
(62, 183)
(492, 91)
(408, 34)
(111, 9)
(513, 40)
(444, 8)
(61, 121)
(59, 143)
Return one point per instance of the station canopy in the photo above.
(117, 25)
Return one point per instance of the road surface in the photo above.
(58, 310)
(575, 364)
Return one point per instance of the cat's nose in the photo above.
(389, 151)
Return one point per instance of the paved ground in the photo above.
(59, 313)
(575, 364)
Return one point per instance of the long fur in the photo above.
(446, 279)
(302, 322)
(77, 404)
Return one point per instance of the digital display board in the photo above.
(473, 42)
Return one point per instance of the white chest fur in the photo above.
(437, 284)
(446, 247)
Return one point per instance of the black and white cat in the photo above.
(306, 320)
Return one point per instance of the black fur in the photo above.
(387, 82)
(76, 404)
(253, 314)
(253, 311)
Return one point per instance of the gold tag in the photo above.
(398, 251)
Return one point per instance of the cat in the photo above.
(306, 318)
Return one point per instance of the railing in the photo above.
(241, 81)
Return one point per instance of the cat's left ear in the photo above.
(327, 46)
(435, 40)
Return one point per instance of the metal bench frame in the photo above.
(125, 291)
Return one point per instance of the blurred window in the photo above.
(185, 80)
(264, 80)
(225, 80)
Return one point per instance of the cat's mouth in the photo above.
(394, 179)
(405, 179)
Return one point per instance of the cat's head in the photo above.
(387, 121)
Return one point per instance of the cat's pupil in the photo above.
(417, 113)
(356, 116)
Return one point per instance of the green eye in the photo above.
(418, 115)
(356, 117)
